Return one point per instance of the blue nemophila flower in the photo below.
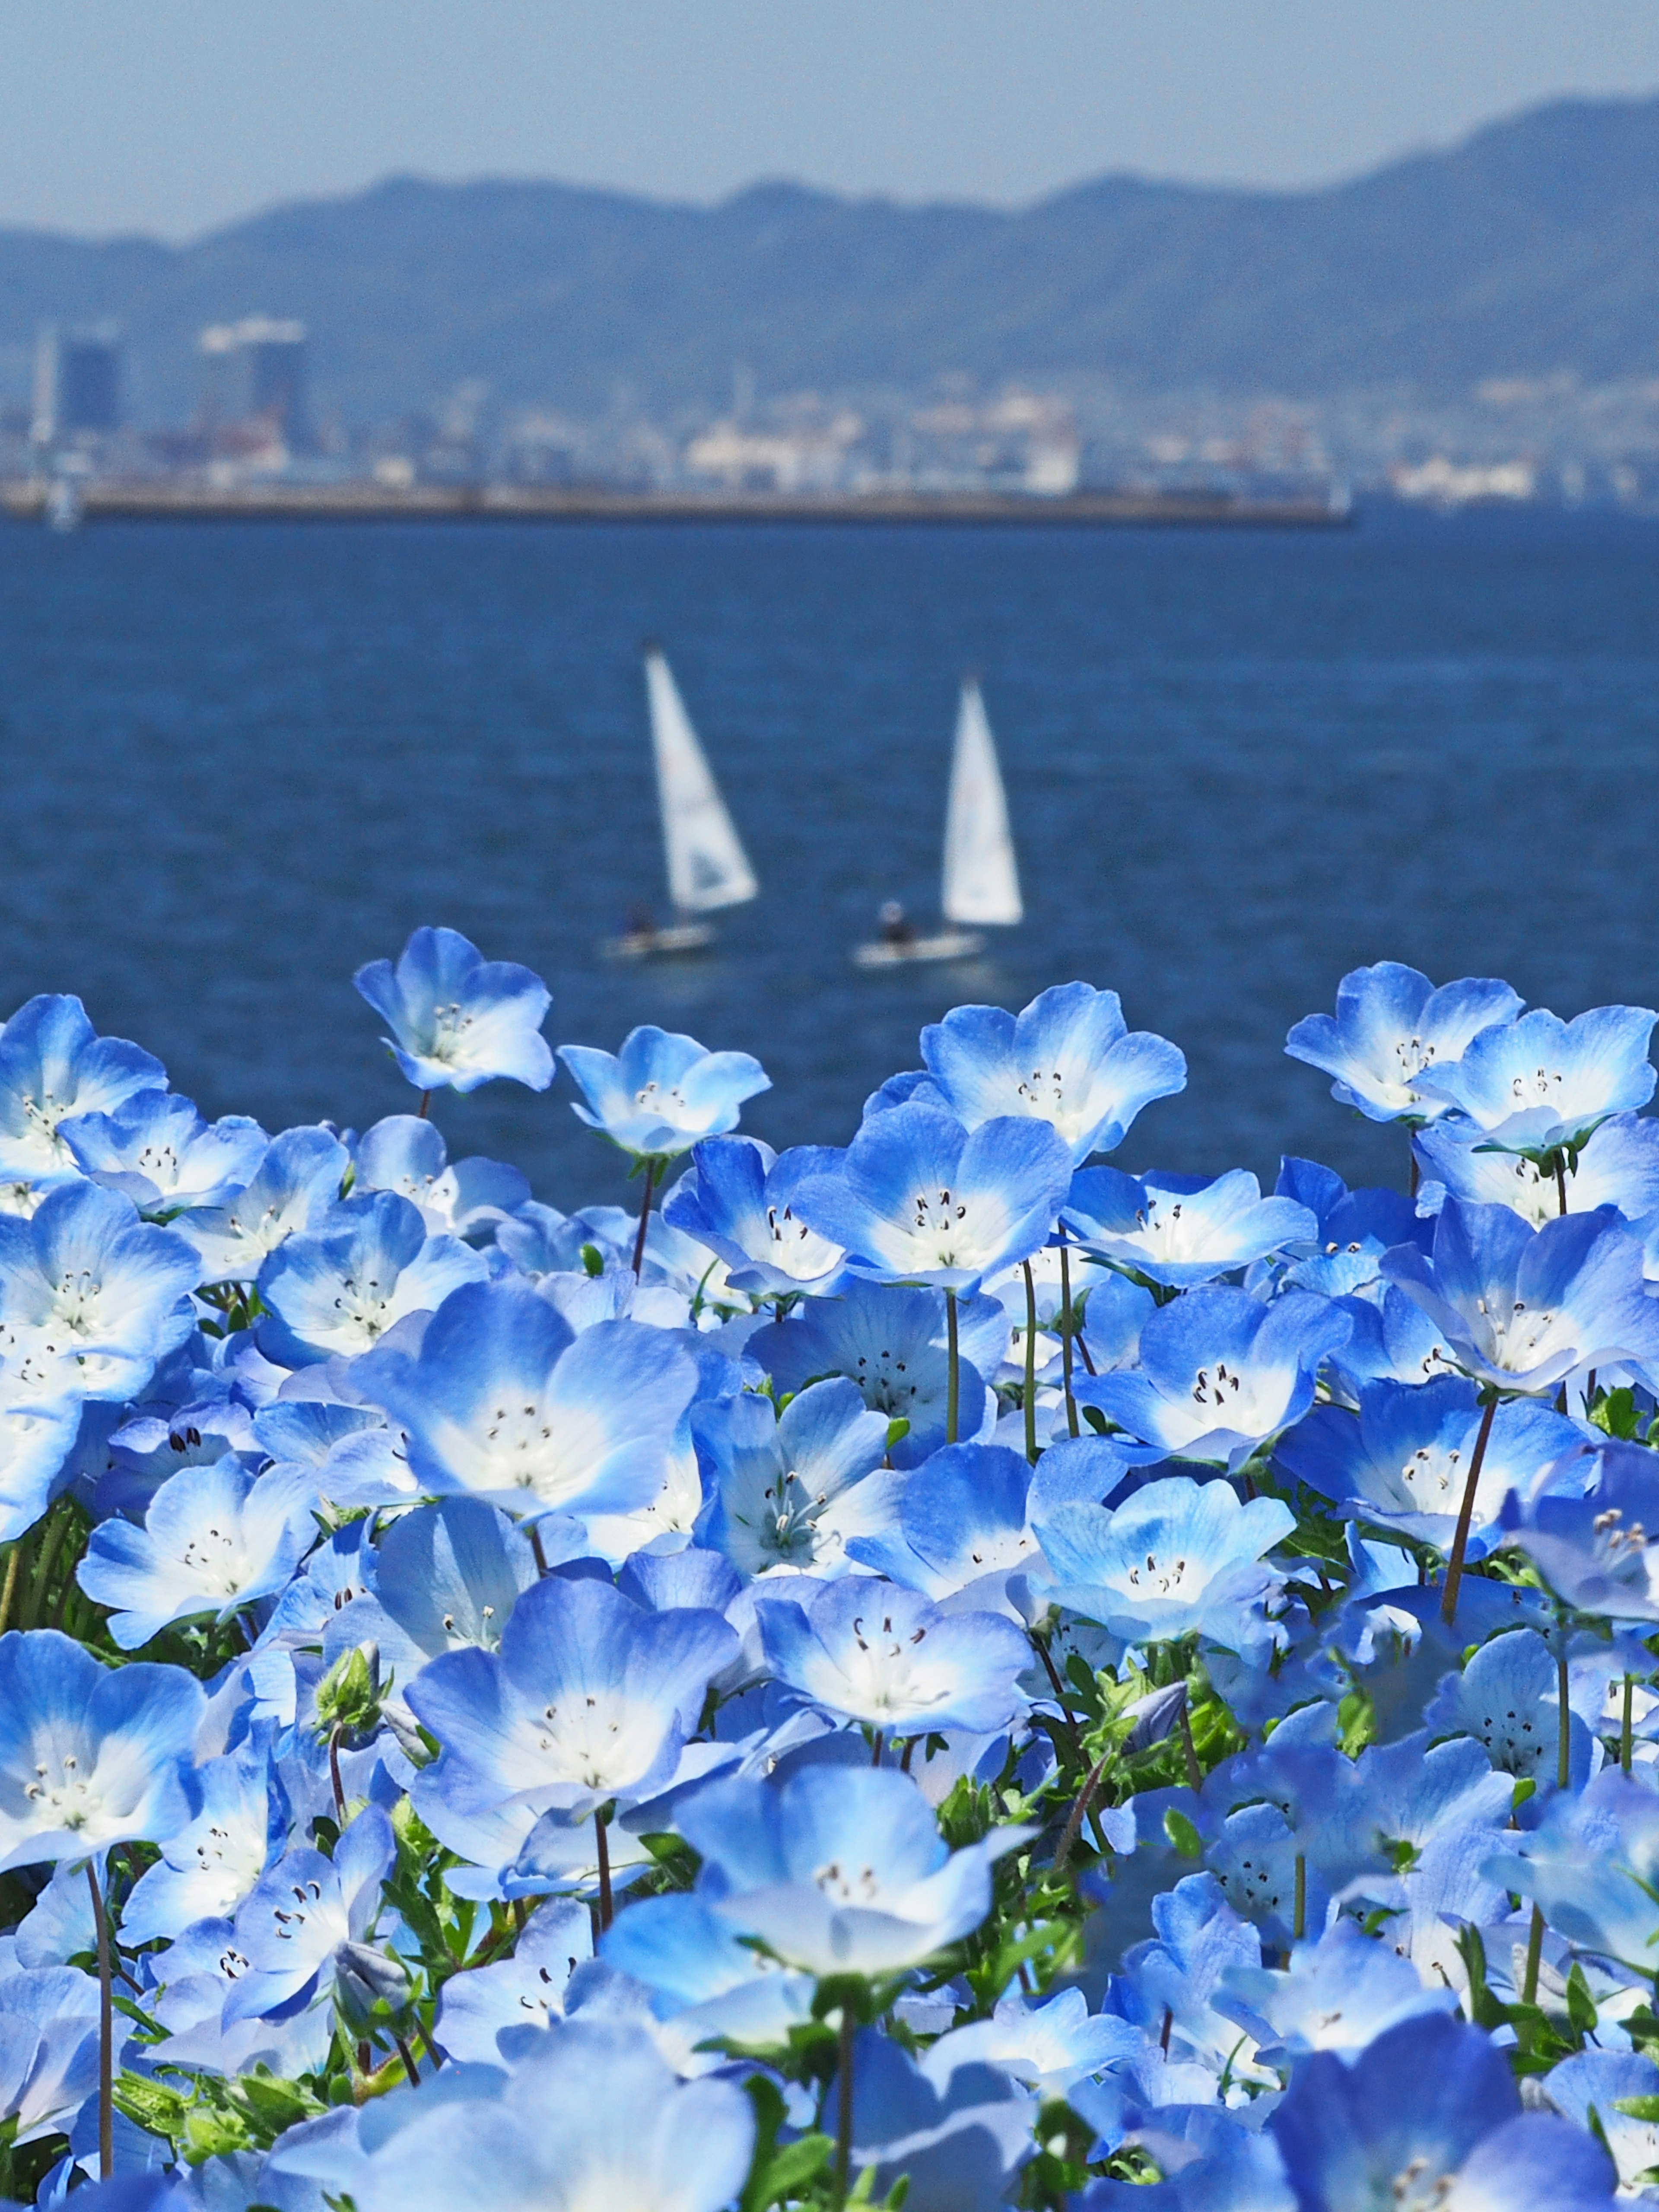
(1178, 1230)
(335, 1290)
(90, 1296)
(1592, 1866)
(1067, 1059)
(738, 1198)
(1391, 1029)
(504, 1399)
(157, 1150)
(1599, 2081)
(1429, 2116)
(1402, 1460)
(48, 2049)
(1355, 1229)
(353, 1458)
(661, 1092)
(839, 1870)
(703, 1979)
(456, 1019)
(893, 1343)
(526, 1990)
(962, 1515)
(1049, 2046)
(89, 1756)
(37, 1461)
(1220, 1372)
(445, 1576)
(1177, 1556)
(296, 1182)
(54, 1065)
(1170, 1984)
(790, 1489)
(1521, 1308)
(1618, 1167)
(1507, 1699)
(214, 1539)
(873, 1652)
(203, 1966)
(1586, 1530)
(957, 2129)
(916, 1198)
(589, 1698)
(211, 1865)
(595, 2119)
(1338, 1994)
(303, 1926)
(1540, 1082)
(1215, 2162)
(405, 1154)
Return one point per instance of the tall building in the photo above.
(256, 375)
(77, 383)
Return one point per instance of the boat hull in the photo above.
(946, 944)
(658, 943)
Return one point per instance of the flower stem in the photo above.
(645, 1217)
(1626, 1733)
(1065, 1332)
(607, 1911)
(844, 2113)
(1195, 1771)
(1464, 1516)
(420, 1111)
(57, 1529)
(953, 1377)
(105, 2031)
(1080, 1810)
(334, 1736)
(1052, 1673)
(9, 1594)
(1299, 1920)
(1562, 1727)
(1030, 1366)
(1534, 1957)
(1561, 1180)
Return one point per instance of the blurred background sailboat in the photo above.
(708, 867)
(981, 878)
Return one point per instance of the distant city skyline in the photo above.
(183, 116)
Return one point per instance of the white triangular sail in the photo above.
(982, 882)
(708, 866)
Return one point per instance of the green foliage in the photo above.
(212, 2116)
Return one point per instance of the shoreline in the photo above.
(163, 502)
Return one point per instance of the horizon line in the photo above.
(1003, 209)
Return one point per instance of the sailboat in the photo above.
(981, 879)
(708, 867)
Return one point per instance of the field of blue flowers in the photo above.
(934, 1673)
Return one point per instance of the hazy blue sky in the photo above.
(176, 115)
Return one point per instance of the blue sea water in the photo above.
(237, 761)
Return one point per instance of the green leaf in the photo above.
(1615, 1414)
(1637, 2108)
(897, 1429)
(1182, 1834)
(789, 2172)
(1581, 2006)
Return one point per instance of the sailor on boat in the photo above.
(708, 867)
(980, 876)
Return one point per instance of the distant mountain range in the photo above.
(1530, 251)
